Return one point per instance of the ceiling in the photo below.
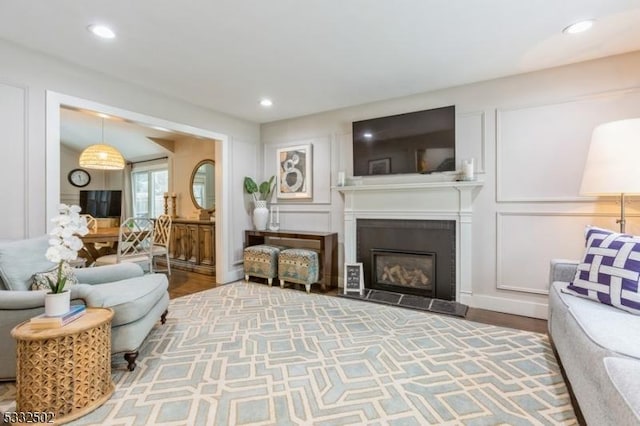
(79, 129)
(317, 55)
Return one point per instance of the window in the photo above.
(149, 185)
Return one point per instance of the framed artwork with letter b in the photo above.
(294, 172)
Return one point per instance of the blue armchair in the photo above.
(138, 299)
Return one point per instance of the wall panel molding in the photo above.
(527, 241)
(531, 140)
(322, 166)
(14, 136)
(318, 220)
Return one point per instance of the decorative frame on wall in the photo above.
(295, 171)
(381, 166)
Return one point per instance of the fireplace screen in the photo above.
(415, 270)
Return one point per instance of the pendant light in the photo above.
(101, 156)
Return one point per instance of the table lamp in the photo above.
(613, 162)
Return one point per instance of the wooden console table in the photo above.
(64, 372)
(328, 249)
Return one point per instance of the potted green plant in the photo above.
(262, 192)
(261, 195)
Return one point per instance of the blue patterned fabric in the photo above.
(261, 261)
(610, 270)
(298, 266)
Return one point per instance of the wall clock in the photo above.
(79, 177)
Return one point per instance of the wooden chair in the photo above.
(135, 243)
(81, 261)
(161, 239)
(92, 223)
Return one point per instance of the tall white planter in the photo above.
(57, 303)
(260, 215)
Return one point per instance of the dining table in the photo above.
(99, 242)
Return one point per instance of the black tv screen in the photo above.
(415, 142)
(101, 203)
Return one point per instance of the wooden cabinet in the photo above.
(193, 246)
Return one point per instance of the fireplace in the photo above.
(415, 257)
(403, 272)
(445, 205)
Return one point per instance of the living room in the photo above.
(528, 132)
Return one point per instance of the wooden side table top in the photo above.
(93, 317)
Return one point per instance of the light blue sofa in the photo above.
(599, 348)
(138, 300)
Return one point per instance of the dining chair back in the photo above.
(92, 223)
(135, 243)
(162, 239)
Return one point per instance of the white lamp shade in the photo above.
(613, 162)
(101, 157)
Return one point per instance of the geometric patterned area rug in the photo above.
(245, 354)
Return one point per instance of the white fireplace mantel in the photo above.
(444, 200)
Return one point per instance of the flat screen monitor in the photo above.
(414, 142)
(101, 203)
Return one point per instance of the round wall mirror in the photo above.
(203, 188)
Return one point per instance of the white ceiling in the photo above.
(317, 55)
(79, 129)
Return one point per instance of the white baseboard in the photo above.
(234, 274)
(508, 306)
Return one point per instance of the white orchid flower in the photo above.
(53, 254)
(65, 243)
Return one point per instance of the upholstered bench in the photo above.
(261, 261)
(299, 266)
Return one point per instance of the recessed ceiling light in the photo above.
(367, 135)
(101, 31)
(578, 27)
(266, 102)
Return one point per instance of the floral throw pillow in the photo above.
(40, 281)
(610, 270)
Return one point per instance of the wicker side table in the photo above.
(67, 370)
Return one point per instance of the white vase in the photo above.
(57, 303)
(260, 215)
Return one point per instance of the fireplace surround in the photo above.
(442, 200)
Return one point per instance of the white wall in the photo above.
(25, 79)
(529, 135)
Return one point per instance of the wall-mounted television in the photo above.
(101, 203)
(414, 142)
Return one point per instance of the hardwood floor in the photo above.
(182, 283)
(507, 320)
